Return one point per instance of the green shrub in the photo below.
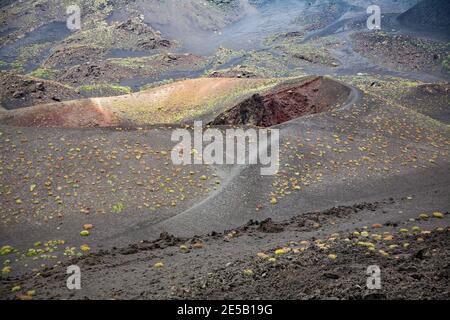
(446, 63)
(43, 73)
(104, 90)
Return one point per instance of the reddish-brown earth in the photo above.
(82, 113)
(315, 95)
(141, 108)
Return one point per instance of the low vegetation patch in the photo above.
(104, 90)
(43, 73)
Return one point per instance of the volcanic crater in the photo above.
(315, 95)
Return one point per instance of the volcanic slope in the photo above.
(64, 178)
(430, 14)
(368, 149)
(170, 103)
(291, 259)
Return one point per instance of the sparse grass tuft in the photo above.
(104, 90)
(43, 73)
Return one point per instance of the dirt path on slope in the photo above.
(310, 256)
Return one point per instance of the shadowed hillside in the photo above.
(430, 14)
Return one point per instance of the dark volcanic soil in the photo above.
(402, 52)
(418, 271)
(115, 70)
(430, 99)
(313, 96)
(18, 91)
(65, 57)
(429, 14)
(267, 260)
